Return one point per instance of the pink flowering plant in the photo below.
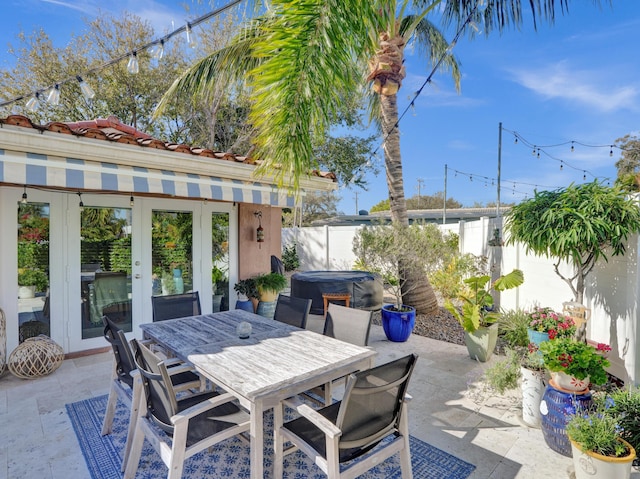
(576, 358)
(546, 320)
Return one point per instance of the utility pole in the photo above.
(420, 183)
(444, 201)
(356, 198)
(499, 167)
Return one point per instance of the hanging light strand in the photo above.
(160, 41)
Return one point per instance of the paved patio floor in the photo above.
(448, 411)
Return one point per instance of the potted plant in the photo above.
(597, 447)
(269, 285)
(574, 364)
(477, 314)
(31, 280)
(547, 324)
(246, 289)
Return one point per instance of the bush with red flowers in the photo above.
(546, 320)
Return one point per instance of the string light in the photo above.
(561, 165)
(157, 50)
(87, 91)
(611, 150)
(33, 103)
(131, 200)
(584, 176)
(189, 33)
(572, 147)
(53, 95)
(113, 61)
(133, 67)
(81, 204)
(24, 196)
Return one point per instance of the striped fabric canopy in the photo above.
(69, 173)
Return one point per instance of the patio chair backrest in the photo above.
(176, 306)
(157, 386)
(371, 406)
(121, 350)
(292, 311)
(348, 324)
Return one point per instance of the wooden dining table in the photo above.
(277, 361)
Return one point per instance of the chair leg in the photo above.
(405, 453)
(137, 405)
(136, 451)
(110, 412)
(278, 441)
(178, 448)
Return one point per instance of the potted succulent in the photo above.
(597, 447)
(477, 314)
(547, 324)
(574, 364)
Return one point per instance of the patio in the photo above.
(38, 441)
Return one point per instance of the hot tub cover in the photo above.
(364, 287)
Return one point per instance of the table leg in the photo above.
(257, 441)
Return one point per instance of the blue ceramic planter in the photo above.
(536, 337)
(398, 325)
(247, 305)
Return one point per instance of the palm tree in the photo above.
(303, 58)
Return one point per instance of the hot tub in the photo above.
(365, 288)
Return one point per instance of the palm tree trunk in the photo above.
(420, 294)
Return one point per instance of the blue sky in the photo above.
(577, 80)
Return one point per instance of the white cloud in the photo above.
(83, 7)
(589, 88)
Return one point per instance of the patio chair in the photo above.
(178, 429)
(127, 386)
(373, 408)
(292, 311)
(346, 324)
(108, 288)
(175, 306)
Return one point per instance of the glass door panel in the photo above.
(33, 270)
(105, 268)
(220, 261)
(172, 252)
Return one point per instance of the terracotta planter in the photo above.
(568, 383)
(482, 342)
(590, 465)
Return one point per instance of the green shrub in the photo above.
(290, 258)
(513, 325)
(33, 277)
(504, 374)
(448, 281)
(625, 406)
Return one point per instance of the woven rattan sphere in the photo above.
(35, 357)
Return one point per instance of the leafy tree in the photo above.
(579, 224)
(319, 206)
(422, 202)
(303, 59)
(628, 165)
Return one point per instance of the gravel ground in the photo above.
(442, 326)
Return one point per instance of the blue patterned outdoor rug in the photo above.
(230, 458)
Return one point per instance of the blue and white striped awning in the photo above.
(45, 170)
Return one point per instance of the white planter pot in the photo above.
(26, 292)
(589, 465)
(532, 387)
(569, 383)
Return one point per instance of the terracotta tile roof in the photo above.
(112, 129)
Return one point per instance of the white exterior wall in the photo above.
(611, 292)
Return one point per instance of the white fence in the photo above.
(611, 291)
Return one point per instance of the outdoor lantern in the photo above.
(260, 230)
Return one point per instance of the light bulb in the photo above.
(53, 95)
(132, 66)
(24, 196)
(157, 50)
(33, 103)
(611, 151)
(87, 91)
(190, 38)
(81, 204)
(131, 200)
(572, 148)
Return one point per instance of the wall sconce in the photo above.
(260, 230)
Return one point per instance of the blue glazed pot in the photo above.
(246, 305)
(536, 337)
(266, 309)
(398, 325)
